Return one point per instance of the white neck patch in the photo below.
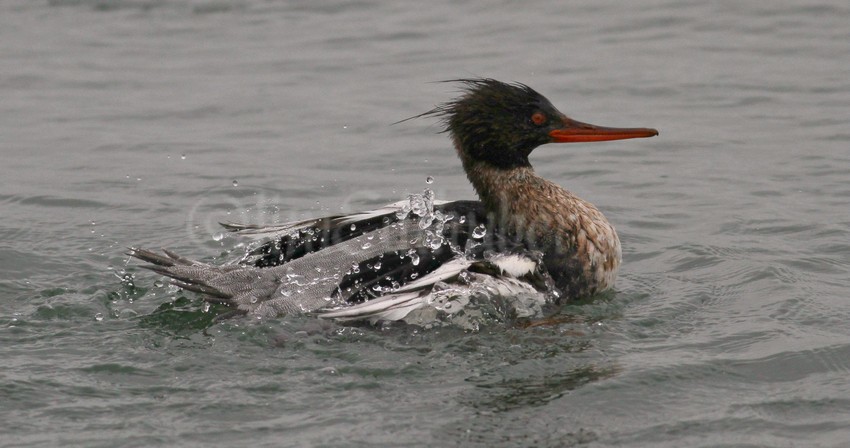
(514, 265)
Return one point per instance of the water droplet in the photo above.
(331, 371)
(479, 232)
(418, 207)
(254, 299)
(98, 317)
(353, 227)
(206, 307)
(414, 257)
(218, 236)
(403, 211)
(414, 275)
(429, 180)
(158, 284)
(426, 221)
(183, 156)
(235, 183)
(462, 219)
(366, 246)
(355, 268)
(377, 266)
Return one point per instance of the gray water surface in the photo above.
(145, 122)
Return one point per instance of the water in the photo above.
(145, 122)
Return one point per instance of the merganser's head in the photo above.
(500, 123)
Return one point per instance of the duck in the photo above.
(524, 236)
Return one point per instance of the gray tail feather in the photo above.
(174, 266)
(236, 227)
(170, 258)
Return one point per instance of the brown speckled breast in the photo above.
(581, 248)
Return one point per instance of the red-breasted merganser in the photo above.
(525, 232)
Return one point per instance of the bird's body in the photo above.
(526, 233)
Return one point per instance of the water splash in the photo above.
(414, 257)
(479, 232)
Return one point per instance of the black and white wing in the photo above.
(373, 265)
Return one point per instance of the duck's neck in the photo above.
(501, 190)
(504, 192)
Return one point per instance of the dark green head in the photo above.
(500, 123)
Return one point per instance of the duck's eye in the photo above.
(538, 118)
